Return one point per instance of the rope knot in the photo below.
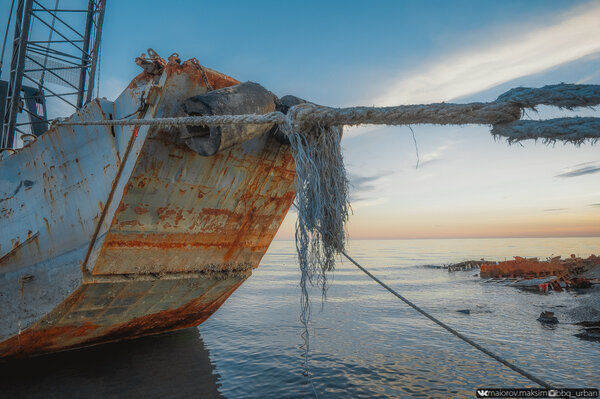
(302, 117)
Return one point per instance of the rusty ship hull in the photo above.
(109, 233)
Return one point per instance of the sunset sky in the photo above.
(343, 53)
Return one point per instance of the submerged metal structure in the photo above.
(55, 53)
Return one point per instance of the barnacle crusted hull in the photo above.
(109, 233)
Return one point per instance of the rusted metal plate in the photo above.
(126, 231)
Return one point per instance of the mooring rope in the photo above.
(561, 95)
(503, 114)
(573, 130)
(450, 329)
(207, 120)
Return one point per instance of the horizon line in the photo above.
(455, 238)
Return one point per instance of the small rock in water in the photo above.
(589, 323)
(547, 318)
(464, 311)
(590, 334)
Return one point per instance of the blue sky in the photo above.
(343, 53)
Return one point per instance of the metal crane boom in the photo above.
(54, 58)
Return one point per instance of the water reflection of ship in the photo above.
(169, 365)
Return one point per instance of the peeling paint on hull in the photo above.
(122, 232)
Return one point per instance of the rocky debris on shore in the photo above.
(547, 318)
(553, 274)
(591, 330)
(465, 265)
(477, 309)
(590, 334)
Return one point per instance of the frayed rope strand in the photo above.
(323, 203)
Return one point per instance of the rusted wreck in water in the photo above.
(116, 224)
(118, 232)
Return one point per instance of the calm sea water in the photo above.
(364, 342)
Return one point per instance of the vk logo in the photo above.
(482, 394)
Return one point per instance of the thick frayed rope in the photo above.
(437, 114)
(562, 95)
(500, 113)
(573, 130)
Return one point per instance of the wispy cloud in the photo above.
(592, 76)
(595, 205)
(434, 155)
(555, 209)
(581, 169)
(572, 37)
(361, 185)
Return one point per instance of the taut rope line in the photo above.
(450, 329)
(503, 114)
